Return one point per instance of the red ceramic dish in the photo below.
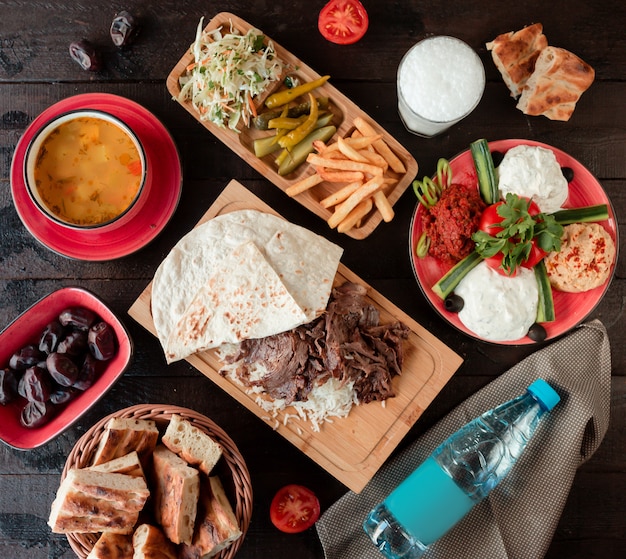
(25, 329)
(570, 308)
(163, 185)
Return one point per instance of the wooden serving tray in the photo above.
(344, 113)
(353, 448)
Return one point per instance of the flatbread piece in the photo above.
(515, 54)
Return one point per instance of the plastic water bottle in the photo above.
(458, 474)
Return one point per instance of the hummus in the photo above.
(585, 260)
(533, 172)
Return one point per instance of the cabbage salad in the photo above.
(229, 70)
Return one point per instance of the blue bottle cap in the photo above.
(545, 394)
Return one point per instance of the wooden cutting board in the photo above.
(344, 112)
(352, 449)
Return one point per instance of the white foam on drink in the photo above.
(441, 79)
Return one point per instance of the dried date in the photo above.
(36, 414)
(124, 29)
(85, 55)
(74, 344)
(52, 334)
(78, 317)
(8, 385)
(62, 369)
(102, 341)
(35, 384)
(26, 357)
(89, 372)
(61, 396)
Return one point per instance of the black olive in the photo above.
(124, 29)
(85, 54)
(537, 333)
(454, 303)
(568, 173)
(497, 157)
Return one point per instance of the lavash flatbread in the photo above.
(305, 263)
(243, 299)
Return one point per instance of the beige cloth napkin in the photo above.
(518, 519)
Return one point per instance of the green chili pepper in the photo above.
(427, 191)
(444, 169)
(423, 244)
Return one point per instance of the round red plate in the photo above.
(570, 308)
(163, 182)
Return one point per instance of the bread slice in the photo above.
(217, 525)
(149, 542)
(192, 444)
(559, 79)
(123, 435)
(89, 501)
(515, 54)
(176, 492)
(128, 464)
(112, 546)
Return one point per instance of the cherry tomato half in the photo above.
(294, 508)
(343, 21)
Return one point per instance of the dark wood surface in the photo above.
(36, 71)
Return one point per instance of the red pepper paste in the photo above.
(451, 222)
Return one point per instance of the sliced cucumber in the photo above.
(487, 182)
(585, 214)
(448, 282)
(545, 307)
(269, 144)
(300, 151)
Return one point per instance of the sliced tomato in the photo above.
(489, 220)
(343, 21)
(294, 508)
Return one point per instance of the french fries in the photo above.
(358, 165)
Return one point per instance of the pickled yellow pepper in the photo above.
(298, 134)
(283, 97)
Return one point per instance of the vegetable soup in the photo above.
(88, 171)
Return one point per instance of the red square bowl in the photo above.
(26, 329)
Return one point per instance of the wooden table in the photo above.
(36, 71)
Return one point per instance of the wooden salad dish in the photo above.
(344, 114)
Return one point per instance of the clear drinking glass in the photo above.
(440, 80)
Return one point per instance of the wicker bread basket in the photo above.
(82, 454)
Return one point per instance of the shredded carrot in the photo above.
(252, 107)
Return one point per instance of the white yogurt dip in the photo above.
(440, 81)
(533, 172)
(496, 307)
